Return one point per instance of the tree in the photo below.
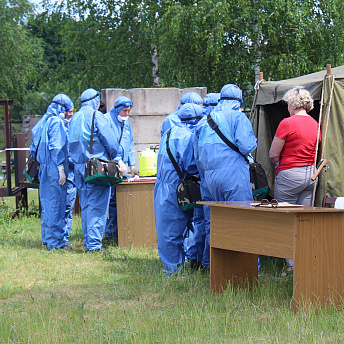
(100, 44)
(110, 43)
(213, 43)
(21, 53)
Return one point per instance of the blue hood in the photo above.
(211, 99)
(122, 102)
(191, 97)
(230, 98)
(90, 97)
(190, 113)
(60, 103)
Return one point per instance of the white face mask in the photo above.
(122, 119)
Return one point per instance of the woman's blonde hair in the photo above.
(299, 97)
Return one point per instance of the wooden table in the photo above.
(135, 214)
(312, 236)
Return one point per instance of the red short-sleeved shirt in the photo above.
(300, 135)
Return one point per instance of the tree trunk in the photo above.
(258, 53)
(156, 82)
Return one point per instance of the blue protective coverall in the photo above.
(94, 199)
(196, 248)
(170, 221)
(224, 172)
(71, 188)
(123, 134)
(49, 146)
(172, 119)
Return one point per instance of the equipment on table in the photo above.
(148, 163)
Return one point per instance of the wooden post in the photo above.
(77, 209)
(19, 165)
(6, 104)
(328, 69)
(322, 165)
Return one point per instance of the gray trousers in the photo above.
(295, 186)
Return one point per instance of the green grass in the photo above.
(121, 296)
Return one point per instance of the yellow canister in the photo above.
(148, 163)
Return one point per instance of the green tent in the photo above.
(269, 110)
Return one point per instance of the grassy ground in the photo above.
(121, 296)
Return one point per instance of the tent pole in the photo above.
(328, 69)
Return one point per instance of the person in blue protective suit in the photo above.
(119, 116)
(170, 221)
(173, 119)
(49, 146)
(224, 172)
(197, 250)
(94, 199)
(210, 101)
(71, 188)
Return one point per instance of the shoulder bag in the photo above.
(99, 171)
(188, 191)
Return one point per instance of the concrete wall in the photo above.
(151, 106)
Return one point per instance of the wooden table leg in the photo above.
(238, 268)
(319, 256)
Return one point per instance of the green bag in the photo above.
(102, 172)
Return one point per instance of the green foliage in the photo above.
(73, 45)
(213, 43)
(21, 53)
(199, 45)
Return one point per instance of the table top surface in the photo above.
(247, 205)
(142, 180)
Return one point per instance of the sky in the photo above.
(37, 3)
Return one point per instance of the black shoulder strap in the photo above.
(120, 138)
(91, 141)
(213, 125)
(174, 163)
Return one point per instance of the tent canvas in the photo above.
(270, 109)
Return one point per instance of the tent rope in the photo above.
(319, 126)
(253, 113)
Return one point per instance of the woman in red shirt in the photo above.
(293, 151)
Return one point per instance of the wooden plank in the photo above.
(289, 210)
(260, 232)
